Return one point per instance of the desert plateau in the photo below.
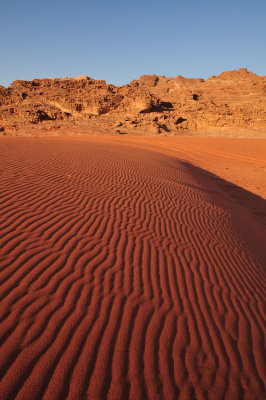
(133, 238)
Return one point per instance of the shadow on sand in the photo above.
(248, 210)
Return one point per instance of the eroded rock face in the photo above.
(234, 100)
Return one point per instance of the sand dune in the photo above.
(124, 276)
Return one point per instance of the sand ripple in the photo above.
(121, 278)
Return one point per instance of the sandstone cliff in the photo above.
(232, 101)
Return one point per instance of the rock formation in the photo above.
(232, 101)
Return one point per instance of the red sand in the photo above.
(125, 274)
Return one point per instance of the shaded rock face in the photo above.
(234, 100)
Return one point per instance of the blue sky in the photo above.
(120, 40)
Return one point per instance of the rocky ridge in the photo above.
(234, 100)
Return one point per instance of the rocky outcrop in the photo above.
(233, 100)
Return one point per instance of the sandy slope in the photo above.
(124, 274)
(241, 161)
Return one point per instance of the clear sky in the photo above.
(119, 40)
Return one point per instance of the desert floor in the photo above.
(132, 268)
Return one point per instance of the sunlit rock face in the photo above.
(233, 100)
